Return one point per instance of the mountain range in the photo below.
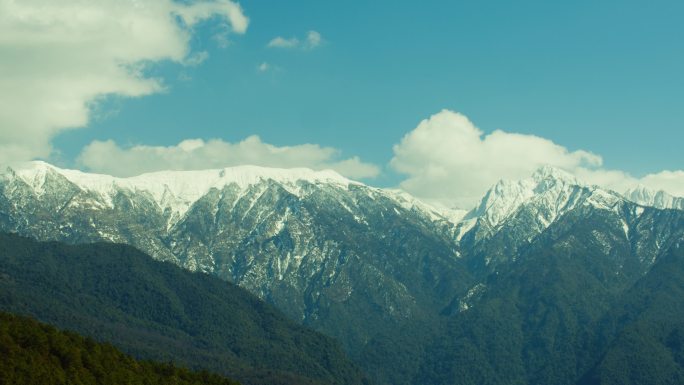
(517, 290)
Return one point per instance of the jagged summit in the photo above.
(506, 196)
(538, 201)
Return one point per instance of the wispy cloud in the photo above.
(281, 42)
(196, 58)
(263, 67)
(267, 67)
(312, 40)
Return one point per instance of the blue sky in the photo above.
(599, 76)
(604, 76)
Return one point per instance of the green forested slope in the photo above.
(35, 353)
(643, 335)
(561, 318)
(579, 306)
(155, 310)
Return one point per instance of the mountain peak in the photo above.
(35, 173)
(547, 193)
(506, 195)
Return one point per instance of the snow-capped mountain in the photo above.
(174, 191)
(658, 199)
(513, 215)
(507, 196)
(329, 251)
(257, 226)
(541, 199)
(317, 245)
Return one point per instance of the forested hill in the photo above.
(155, 310)
(35, 353)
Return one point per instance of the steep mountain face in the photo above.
(510, 292)
(154, 310)
(320, 247)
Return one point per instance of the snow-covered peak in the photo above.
(33, 173)
(658, 199)
(507, 196)
(179, 189)
(540, 199)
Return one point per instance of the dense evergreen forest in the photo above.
(35, 353)
(557, 318)
(155, 310)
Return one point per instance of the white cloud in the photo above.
(58, 58)
(263, 67)
(313, 40)
(196, 58)
(449, 160)
(670, 181)
(195, 154)
(203, 10)
(281, 42)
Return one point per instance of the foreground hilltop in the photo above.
(36, 353)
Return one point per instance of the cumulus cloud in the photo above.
(448, 160)
(58, 58)
(196, 154)
(312, 40)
